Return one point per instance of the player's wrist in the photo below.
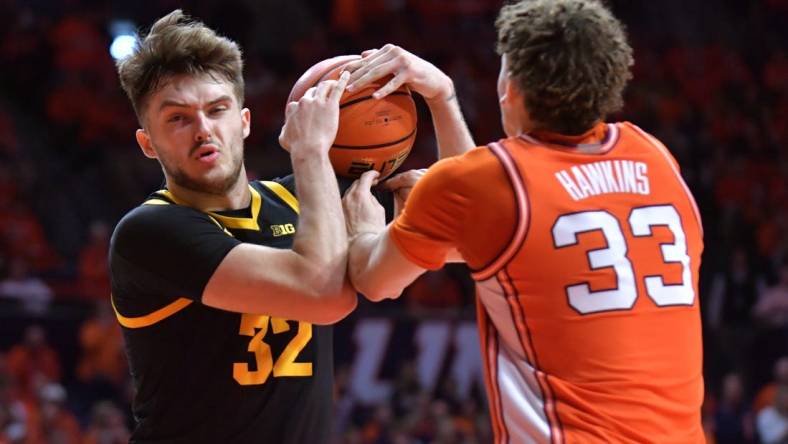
(445, 93)
(363, 233)
(309, 152)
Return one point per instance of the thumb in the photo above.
(368, 179)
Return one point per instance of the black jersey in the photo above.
(204, 375)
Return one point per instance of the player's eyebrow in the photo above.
(175, 103)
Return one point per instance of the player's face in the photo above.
(514, 116)
(195, 128)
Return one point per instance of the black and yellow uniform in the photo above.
(205, 375)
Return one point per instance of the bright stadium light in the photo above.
(124, 38)
(122, 46)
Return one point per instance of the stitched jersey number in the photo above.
(257, 326)
(582, 299)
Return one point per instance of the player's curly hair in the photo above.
(570, 58)
(177, 45)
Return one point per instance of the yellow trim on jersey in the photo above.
(244, 223)
(151, 318)
(155, 201)
(283, 193)
(171, 197)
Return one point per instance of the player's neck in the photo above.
(237, 197)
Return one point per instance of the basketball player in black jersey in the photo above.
(222, 286)
(209, 273)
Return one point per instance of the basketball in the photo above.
(373, 133)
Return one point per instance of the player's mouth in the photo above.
(207, 153)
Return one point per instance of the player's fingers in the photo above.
(371, 65)
(309, 94)
(395, 182)
(323, 88)
(291, 108)
(381, 69)
(367, 179)
(389, 87)
(350, 190)
(403, 180)
(339, 87)
(356, 64)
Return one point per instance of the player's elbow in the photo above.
(375, 291)
(333, 306)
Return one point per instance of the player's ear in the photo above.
(143, 140)
(246, 121)
(512, 93)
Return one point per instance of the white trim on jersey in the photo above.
(521, 201)
(672, 162)
(588, 148)
(516, 381)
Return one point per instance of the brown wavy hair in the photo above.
(177, 45)
(570, 58)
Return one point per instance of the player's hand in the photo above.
(311, 123)
(420, 75)
(401, 185)
(363, 213)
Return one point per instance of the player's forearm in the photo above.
(451, 131)
(321, 237)
(366, 270)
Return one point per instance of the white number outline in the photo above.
(579, 294)
(641, 221)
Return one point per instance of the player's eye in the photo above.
(218, 110)
(175, 118)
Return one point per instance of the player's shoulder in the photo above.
(288, 182)
(158, 215)
(635, 134)
(474, 165)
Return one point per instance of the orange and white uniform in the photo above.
(585, 251)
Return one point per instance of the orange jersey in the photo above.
(585, 253)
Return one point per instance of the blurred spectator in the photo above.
(772, 307)
(24, 237)
(733, 291)
(773, 420)
(106, 425)
(93, 266)
(378, 428)
(765, 396)
(103, 357)
(34, 361)
(31, 291)
(16, 411)
(55, 424)
(732, 420)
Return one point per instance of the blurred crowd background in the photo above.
(710, 80)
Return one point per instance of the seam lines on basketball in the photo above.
(361, 99)
(382, 145)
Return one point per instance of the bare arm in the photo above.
(308, 282)
(376, 267)
(451, 131)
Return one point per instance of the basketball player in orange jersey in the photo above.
(582, 237)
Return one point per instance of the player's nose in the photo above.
(202, 128)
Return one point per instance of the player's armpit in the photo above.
(280, 283)
(377, 268)
(454, 257)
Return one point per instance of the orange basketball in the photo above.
(373, 133)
